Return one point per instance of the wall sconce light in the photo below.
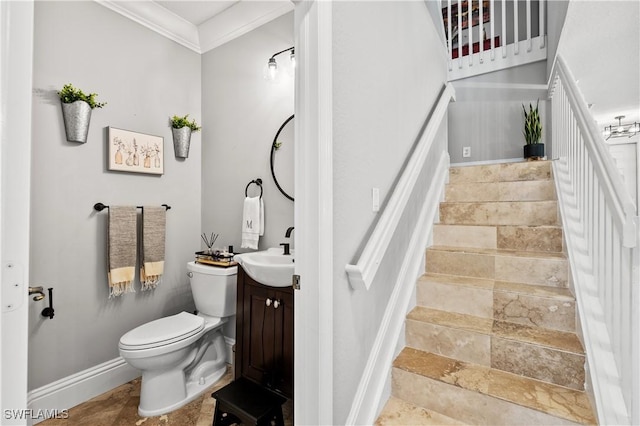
(272, 65)
(621, 130)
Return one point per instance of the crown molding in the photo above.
(233, 22)
(239, 19)
(158, 19)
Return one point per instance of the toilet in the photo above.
(180, 356)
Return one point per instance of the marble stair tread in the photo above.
(539, 268)
(518, 171)
(532, 190)
(558, 401)
(458, 280)
(500, 252)
(499, 213)
(399, 412)
(559, 293)
(542, 337)
(543, 238)
(535, 305)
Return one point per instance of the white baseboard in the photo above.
(81, 387)
(374, 386)
(486, 162)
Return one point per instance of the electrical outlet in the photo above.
(466, 152)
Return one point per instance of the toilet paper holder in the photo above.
(48, 311)
(39, 295)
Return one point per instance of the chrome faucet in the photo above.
(289, 231)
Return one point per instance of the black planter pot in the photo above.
(534, 151)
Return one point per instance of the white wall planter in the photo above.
(77, 116)
(181, 141)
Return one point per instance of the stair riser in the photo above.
(484, 302)
(454, 298)
(465, 405)
(530, 213)
(534, 170)
(463, 345)
(551, 272)
(547, 364)
(535, 311)
(527, 238)
(538, 190)
(521, 238)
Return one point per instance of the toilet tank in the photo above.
(213, 289)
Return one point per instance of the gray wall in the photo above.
(492, 129)
(145, 78)
(605, 62)
(556, 14)
(487, 115)
(379, 105)
(243, 112)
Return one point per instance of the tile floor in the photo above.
(119, 407)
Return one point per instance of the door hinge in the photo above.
(295, 282)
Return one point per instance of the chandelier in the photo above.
(621, 130)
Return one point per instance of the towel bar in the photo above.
(99, 206)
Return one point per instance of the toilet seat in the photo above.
(166, 331)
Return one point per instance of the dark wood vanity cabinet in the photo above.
(264, 334)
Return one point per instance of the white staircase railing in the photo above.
(601, 230)
(492, 39)
(393, 256)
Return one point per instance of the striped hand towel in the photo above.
(152, 250)
(121, 249)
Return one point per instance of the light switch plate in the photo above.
(375, 199)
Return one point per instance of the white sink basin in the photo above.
(269, 267)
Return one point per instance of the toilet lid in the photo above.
(163, 331)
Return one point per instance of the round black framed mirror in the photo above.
(283, 146)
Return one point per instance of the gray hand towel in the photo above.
(121, 249)
(152, 251)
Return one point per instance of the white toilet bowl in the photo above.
(180, 356)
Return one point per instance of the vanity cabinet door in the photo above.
(258, 349)
(284, 342)
(264, 328)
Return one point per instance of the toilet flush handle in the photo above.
(190, 274)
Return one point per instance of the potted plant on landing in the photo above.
(532, 133)
(182, 128)
(76, 112)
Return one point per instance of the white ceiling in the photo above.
(200, 25)
(197, 12)
(601, 42)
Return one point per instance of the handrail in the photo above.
(362, 273)
(623, 207)
(602, 243)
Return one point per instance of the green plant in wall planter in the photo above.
(532, 132)
(182, 128)
(76, 112)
